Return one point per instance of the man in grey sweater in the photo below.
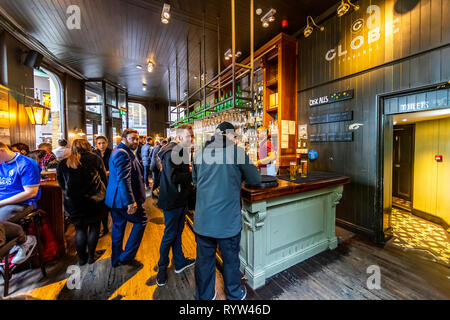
(218, 172)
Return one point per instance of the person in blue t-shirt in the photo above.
(19, 192)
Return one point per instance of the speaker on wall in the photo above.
(33, 59)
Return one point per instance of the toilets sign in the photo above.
(366, 34)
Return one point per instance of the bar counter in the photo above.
(287, 224)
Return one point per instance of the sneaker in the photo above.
(25, 250)
(161, 278)
(244, 292)
(188, 263)
(14, 249)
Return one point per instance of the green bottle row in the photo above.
(220, 105)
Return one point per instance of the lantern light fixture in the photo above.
(310, 27)
(344, 7)
(165, 15)
(37, 113)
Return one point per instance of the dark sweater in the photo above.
(81, 186)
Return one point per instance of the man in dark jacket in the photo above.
(218, 172)
(176, 181)
(155, 166)
(125, 196)
(145, 154)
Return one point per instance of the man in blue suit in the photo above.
(125, 196)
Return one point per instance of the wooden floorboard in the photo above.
(337, 274)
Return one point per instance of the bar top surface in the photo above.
(316, 180)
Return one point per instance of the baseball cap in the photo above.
(226, 127)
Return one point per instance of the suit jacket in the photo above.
(126, 182)
(105, 157)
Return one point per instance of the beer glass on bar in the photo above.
(293, 171)
(304, 168)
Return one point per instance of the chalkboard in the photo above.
(332, 137)
(331, 117)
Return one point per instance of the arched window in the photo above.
(48, 90)
(137, 118)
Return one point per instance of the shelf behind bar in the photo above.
(218, 112)
(214, 79)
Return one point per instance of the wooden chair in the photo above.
(35, 217)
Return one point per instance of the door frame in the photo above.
(383, 206)
(413, 151)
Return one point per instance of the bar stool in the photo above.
(34, 217)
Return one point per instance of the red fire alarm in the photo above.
(438, 158)
(284, 23)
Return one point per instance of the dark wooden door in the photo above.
(403, 162)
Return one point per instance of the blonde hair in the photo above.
(79, 146)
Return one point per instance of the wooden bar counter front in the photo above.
(287, 224)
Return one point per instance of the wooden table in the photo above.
(52, 203)
(287, 224)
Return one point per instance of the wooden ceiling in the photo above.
(117, 35)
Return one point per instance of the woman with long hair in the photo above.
(82, 176)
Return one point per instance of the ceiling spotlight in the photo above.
(139, 66)
(344, 7)
(165, 15)
(310, 28)
(150, 66)
(258, 11)
(144, 87)
(229, 54)
(268, 17)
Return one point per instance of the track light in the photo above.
(268, 17)
(310, 27)
(165, 15)
(139, 67)
(144, 87)
(150, 66)
(344, 7)
(229, 54)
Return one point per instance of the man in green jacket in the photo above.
(218, 172)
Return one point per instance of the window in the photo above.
(137, 118)
(48, 90)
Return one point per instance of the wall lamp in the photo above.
(165, 15)
(150, 66)
(309, 29)
(344, 7)
(37, 113)
(268, 17)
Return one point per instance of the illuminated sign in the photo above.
(335, 97)
(365, 40)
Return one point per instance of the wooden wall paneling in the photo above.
(425, 24)
(445, 14)
(415, 29)
(436, 22)
(445, 65)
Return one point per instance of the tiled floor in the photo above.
(420, 236)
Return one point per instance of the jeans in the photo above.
(14, 212)
(155, 177)
(174, 221)
(205, 267)
(120, 218)
(86, 236)
(146, 174)
(12, 231)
